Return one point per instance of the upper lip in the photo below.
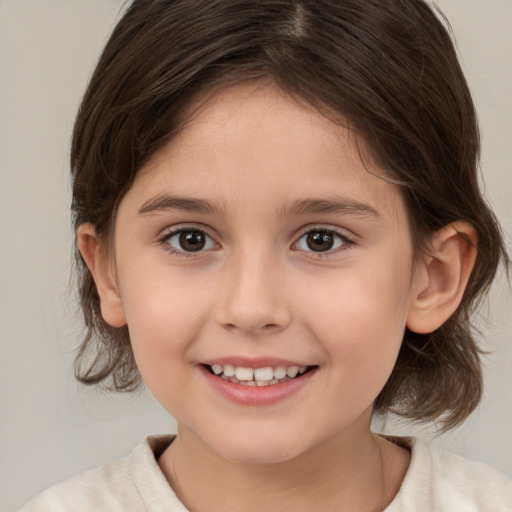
(256, 362)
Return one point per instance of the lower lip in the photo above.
(257, 395)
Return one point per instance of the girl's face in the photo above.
(256, 242)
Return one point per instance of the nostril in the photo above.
(245, 309)
(266, 327)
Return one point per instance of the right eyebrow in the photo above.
(165, 202)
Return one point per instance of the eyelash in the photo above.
(344, 242)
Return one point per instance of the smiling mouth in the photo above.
(267, 376)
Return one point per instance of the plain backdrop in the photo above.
(49, 427)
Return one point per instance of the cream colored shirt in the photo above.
(436, 481)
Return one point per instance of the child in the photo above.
(279, 229)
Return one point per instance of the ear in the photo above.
(101, 268)
(442, 276)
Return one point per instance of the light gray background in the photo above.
(49, 428)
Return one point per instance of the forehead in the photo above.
(252, 143)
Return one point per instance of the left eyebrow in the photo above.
(336, 205)
(163, 203)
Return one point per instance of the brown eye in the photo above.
(192, 241)
(189, 240)
(321, 240)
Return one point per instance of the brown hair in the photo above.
(389, 67)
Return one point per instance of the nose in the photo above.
(253, 298)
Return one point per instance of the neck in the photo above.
(346, 472)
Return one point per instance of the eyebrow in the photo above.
(185, 204)
(335, 205)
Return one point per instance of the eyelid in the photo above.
(186, 226)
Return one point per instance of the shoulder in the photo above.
(118, 486)
(103, 488)
(442, 481)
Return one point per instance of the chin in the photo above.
(260, 450)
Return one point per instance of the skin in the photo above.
(257, 289)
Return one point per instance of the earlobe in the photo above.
(442, 277)
(101, 268)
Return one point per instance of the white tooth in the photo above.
(243, 373)
(234, 380)
(263, 373)
(229, 370)
(280, 372)
(217, 369)
(224, 377)
(274, 381)
(262, 383)
(292, 371)
(302, 369)
(249, 383)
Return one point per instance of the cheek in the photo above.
(361, 324)
(164, 313)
